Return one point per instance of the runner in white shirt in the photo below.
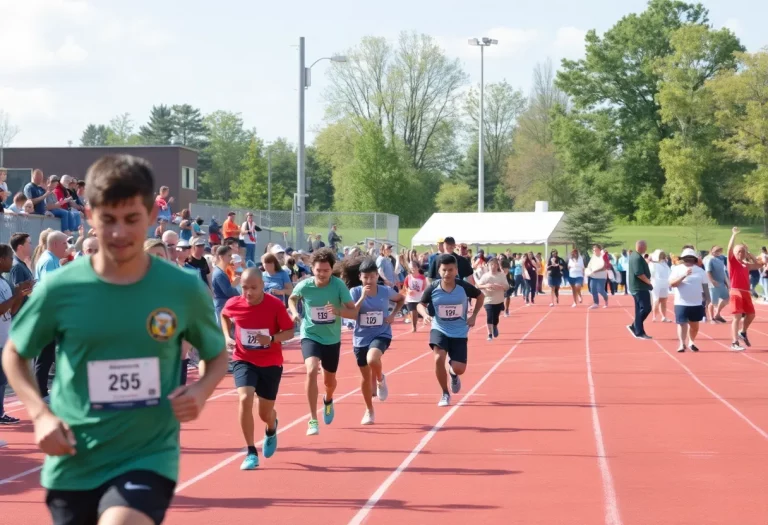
(414, 285)
(688, 281)
(576, 276)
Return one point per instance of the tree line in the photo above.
(663, 121)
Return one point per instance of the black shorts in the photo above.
(142, 490)
(265, 379)
(688, 314)
(411, 306)
(456, 347)
(361, 352)
(328, 354)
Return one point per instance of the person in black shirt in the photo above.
(464, 266)
(555, 268)
(197, 260)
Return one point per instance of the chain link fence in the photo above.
(352, 227)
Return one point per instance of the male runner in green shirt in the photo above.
(111, 434)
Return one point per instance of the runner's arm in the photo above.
(732, 241)
(227, 328)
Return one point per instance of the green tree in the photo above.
(94, 135)
(589, 223)
(689, 161)
(618, 76)
(283, 155)
(741, 102)
(160, 128)
(699, 224)
(456, 197)
(189, 126)
(227, 147)
(411, 90)
(320, 174)
(250, 185)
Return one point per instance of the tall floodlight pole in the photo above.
(269, 179)
(301, 180)
(482, 43)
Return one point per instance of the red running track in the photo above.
(565, 419)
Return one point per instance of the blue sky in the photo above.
(67, 63)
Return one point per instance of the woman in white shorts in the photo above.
(660, 280)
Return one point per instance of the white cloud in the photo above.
(735, 25)
(21, 104)
(569, 42)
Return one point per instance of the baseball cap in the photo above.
(198, 242)
(688, 253)
(66, 179)
(450, 240)
(440, 240)
(182, 244)
(230, 214)
(277, 249)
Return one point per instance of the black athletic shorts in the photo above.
(456, 347)
(361, 352)
(328, 354)
(265, 379)
(411, 306)
(142, 490)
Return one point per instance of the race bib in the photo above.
(320, 315)
(450, 312)
(249, 340)
(124, 383)
(372, 319)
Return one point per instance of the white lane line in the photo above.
(743, 354)
(705, 387)
(20, 475)
(377, 495)
(612, 516)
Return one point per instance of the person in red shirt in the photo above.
(740, 262)
(259, 323)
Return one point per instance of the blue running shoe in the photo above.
(328, 412)
(251, 462)
(270, 442)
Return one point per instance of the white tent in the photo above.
(523, 228)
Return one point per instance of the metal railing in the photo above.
(353, 227)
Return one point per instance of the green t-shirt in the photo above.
(118, 356)
(316, 324)
(635, 267)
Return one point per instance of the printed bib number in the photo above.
(372, 319)
(249, 338)
(124, 383)
(320, 315)
(450, 312)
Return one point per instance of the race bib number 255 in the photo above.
(124, 383)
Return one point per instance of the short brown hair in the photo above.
(116, 178)
(221, 251)
(323, 255)
(271, 259)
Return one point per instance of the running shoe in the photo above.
(681, 350)
(743, 337)
(594, 306)
(382, 390)
(313, 428)
(645, 336)
(455, 383)
(495, 331)
(368, 418)
(5, 419)
(445, 400)
(328, 412)
(573, 305)
(736, 347)
(694, 348)
(506, 314)
(632, 330)
(270, 442)
(489, 338)
(251, 462)
(551, 305)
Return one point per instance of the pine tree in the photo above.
(95, 135)
(589, 223)
(188, 126)
(160, 128)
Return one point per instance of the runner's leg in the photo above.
(440, 371)
(246, 394)
(682, 334)
(693, 332)
(124, 516)
(310, 384)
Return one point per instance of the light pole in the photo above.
(482, 43)
(269, 180)
(304, 83)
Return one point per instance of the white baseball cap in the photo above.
(277, 249)
(688, 252)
